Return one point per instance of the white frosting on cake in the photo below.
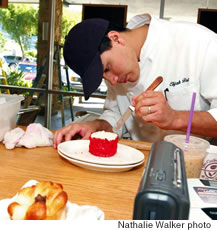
(104, 135)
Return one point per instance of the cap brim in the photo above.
(92, 78)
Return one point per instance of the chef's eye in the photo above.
(106, 70)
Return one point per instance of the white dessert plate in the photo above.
(98, 163)
(79, 150)
(100, 167)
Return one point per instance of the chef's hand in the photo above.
(74, 129)
(83, 130)
(151, 106)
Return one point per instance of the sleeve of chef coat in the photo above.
(111, 109)
(209, 77)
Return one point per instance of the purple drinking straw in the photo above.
(190, 117)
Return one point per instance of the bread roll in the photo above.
(43, 201)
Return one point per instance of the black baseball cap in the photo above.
(81, 52)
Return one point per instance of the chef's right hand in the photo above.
(83, 129)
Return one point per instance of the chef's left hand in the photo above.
(151, 106)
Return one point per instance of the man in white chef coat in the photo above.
(185, 54)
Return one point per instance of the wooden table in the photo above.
(114, 193)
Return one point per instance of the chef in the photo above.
(129, 59)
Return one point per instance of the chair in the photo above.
(28, 115)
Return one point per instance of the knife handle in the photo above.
(155, 84)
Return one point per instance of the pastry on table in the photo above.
(44, 201)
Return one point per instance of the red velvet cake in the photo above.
(103, 144)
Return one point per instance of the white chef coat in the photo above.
(185, 55)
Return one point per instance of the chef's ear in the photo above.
(115, 37)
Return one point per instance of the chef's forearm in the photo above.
(202, 124)
(102, 125)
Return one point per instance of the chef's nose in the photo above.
(112, 78)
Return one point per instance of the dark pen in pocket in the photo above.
(165, 92)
